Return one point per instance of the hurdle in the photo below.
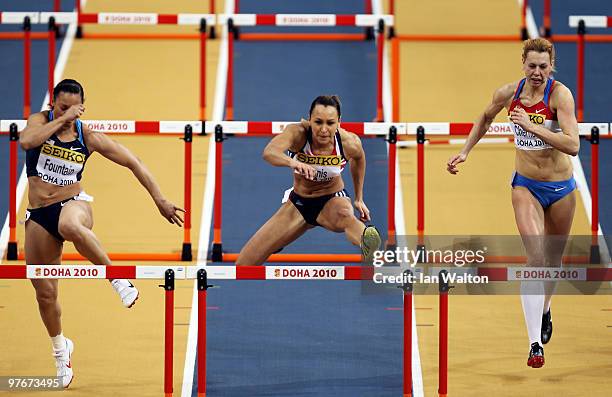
(369, 33)
(81, 33)
(269, 128)
(302, 20)
(581, 22)
(53, 18)
(169, 274)
(407, 288)
(33, 35)
(202, 275)
(367, 6)
(182, 129)
(424, 131)
(27, 19)
(520, 36)
(392, 132)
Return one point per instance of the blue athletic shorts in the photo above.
(547, 193)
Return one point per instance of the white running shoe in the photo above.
(126, 290)
(63, 364)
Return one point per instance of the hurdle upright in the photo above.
(232, 21)
(389, 131)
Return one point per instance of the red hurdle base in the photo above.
(123, 256)
(356, 258)
(302, 37)
(313, 258)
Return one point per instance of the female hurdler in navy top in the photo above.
(57, 147)
(541, 113)
(318, 150)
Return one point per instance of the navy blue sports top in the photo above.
(56, 162)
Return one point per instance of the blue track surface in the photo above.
(597, 86)
(302, 7)
(287, 338)
(308, 338)
(280, 79)
(11, 89)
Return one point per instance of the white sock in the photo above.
(549, 290)
(532, 298)
(59, 342)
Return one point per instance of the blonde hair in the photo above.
(539, 45)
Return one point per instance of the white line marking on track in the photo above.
(417, 374)
(207, 209)
(60, 65)
(582, 185)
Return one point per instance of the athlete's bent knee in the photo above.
(71, 232)
(345, 216)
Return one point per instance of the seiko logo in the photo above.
(64, 154)
(319, 160)
(537, 118)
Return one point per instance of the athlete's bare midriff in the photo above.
(308, 188)
(544, 165)
(42, 194)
